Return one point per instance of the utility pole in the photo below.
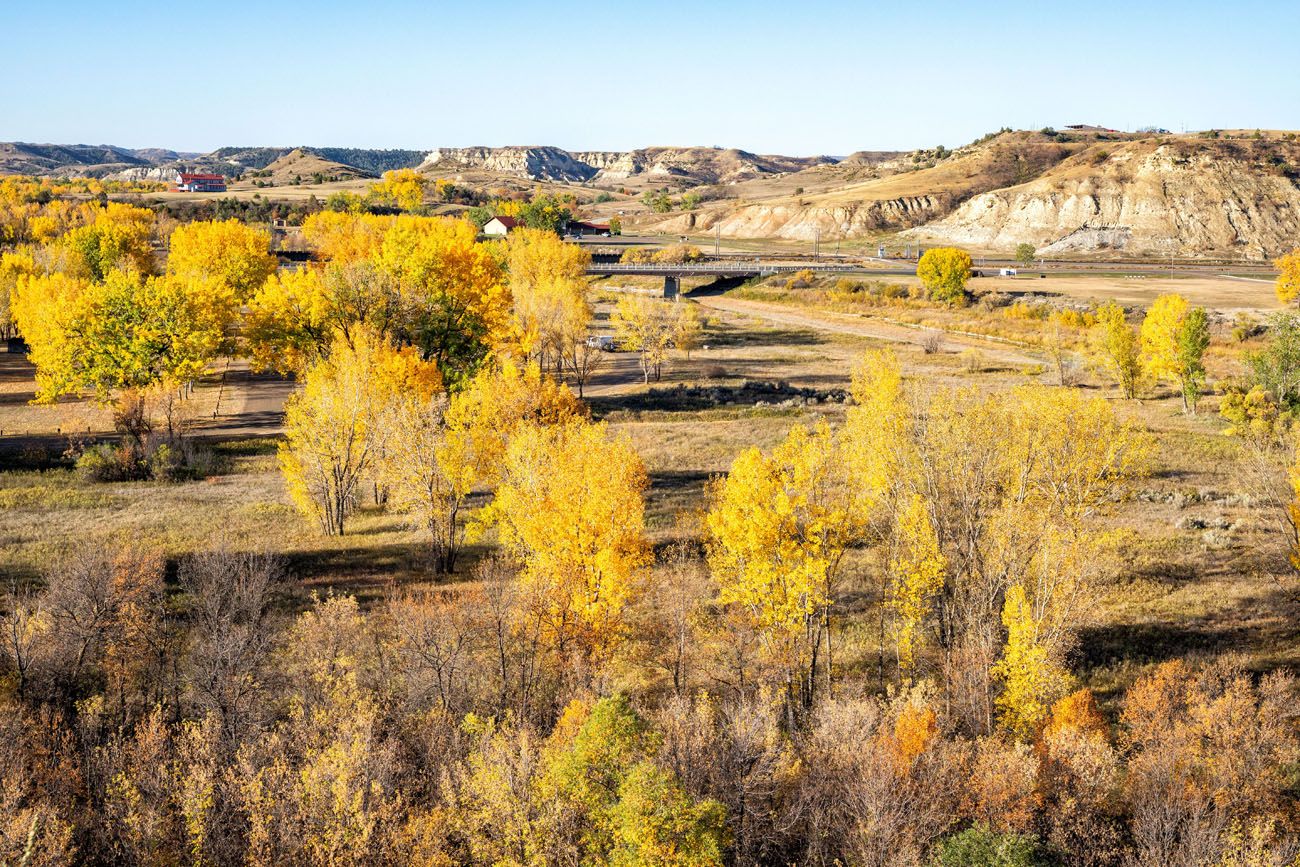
(716, 227)
(817, 244)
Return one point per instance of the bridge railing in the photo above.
(714, 268)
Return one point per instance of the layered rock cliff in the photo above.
(1182, 196)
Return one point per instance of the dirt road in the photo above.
(857, 325)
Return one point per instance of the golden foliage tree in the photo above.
(944, 271)
(434, 451)
(330, 422)
(289, 321)
(1174, 338)
(918, 570)
(129, 332)
(230, 252)
(422, 281)
(1011, 483)
(1031, 679)
(403, 187)
(645, 326)
(1288, 276)
(570, 506)
(777, 529)
(1115, 348)
(548, 287)
(119, 237)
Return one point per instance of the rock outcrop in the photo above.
(1184, 197)
(539, 163)
(689, 166)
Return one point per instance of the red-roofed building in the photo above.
(196, 182)
(500, 226)
(581, 227)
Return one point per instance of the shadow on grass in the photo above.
(696, 398)
(1234, 629)
(730, 335)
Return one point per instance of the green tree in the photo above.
(545, 212)
(1025, 254)
(944, 271)
(1276, 367)
(980, 846)
(633, 812)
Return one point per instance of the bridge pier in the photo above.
(672, 287)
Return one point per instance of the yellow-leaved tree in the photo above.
(944, 271)
(230, 252)
(1288, 276)
(343, 237)
(1030, 671)
(119, 237)
(876, 440)
(43, 306)
(1174, 338)
(14, 265)
(917, 567)
(331, 435)
(549, 290)
(422, 281)
(1010, 483)
(1115, 349)
(403, 187)
(128, 332)
(571, 508)
(645, 326)
(290, 320)
(452, 298)
(777, 529)
(435, 453)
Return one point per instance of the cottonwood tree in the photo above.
(548, 289)
(434, 451)
(1288, 276)
(331, 435)
(1011, 483)
(645, 326)
(944, 271)
(119, 238)
(1116, 348)
(232, 253)
(688, 329)
(405, 188)
(571, 508)
(777, 529)
(1174, 338)
(917, 573)
(128, 333)
(422, 281)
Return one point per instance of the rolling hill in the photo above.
(1076, 192)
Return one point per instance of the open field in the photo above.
(792, 529)
(1203, 591)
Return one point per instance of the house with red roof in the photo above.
(197, 182)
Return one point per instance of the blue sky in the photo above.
(798, 77)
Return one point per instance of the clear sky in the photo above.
(796, 77)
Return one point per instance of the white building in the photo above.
(499, 227)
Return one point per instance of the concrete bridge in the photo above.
(673, 273)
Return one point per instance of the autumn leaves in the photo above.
(977, 510)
